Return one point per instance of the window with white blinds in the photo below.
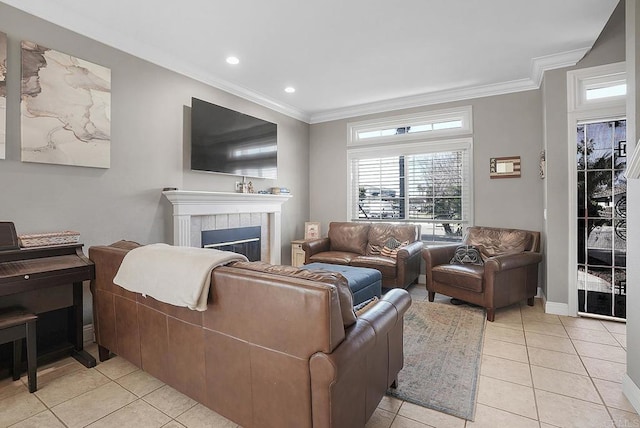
(427, 183)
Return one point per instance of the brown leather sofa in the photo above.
(509, 272)
(358, 244)
(276, 347)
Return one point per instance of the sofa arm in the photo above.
(314, 247)
(342, 373)
(408, 264)
(339, 380)
(411, 250)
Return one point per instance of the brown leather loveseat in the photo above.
(363, 244)
(276, 346)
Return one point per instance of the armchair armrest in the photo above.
(314, 247)
(512, 261)
(438, 255)
(509, 278)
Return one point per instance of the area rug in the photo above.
(442, 353)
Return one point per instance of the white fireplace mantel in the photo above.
(188, 203)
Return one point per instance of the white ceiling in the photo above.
(344, 57)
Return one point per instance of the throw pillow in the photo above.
(365, 306)
(467, 254)
(391, 247)
(374, 250)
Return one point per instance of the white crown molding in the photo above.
(237, 90)
(423, 100)
(551, 62)
(538, 66)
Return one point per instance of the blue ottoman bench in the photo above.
(364, 283)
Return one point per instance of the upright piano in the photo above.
(48, 282)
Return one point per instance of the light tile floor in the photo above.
(537, 370)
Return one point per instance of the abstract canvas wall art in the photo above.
(3, 94)
(65, 109)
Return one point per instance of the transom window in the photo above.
(410, 127)
(426, 182)
(596, 87)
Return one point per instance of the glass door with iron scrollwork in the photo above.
(602, 211)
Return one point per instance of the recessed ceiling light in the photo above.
(289, 90)
(233, 60)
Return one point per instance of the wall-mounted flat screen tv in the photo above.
(230, 142)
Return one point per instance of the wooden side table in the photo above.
(297, 253)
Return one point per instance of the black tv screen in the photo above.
(230, 142)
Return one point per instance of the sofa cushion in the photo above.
(494, 242)
(333, 257)
(344, 292)
(380, 233)
(465, 276)
(348, 237)
(386, 265)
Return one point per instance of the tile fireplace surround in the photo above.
(193, 210)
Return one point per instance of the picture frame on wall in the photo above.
(311, 230)
(504, 167)
(65, 105)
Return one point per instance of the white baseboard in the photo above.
(556, 308)
(632, 392)
(422, 279)
(87, 334)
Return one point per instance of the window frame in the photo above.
(412, 144)
(462, 114)
(579, 82)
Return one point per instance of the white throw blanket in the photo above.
(180, 276)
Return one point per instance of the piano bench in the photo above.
(17, 324)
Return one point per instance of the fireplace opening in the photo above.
(242, 240)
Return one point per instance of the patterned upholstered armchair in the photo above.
(505, 273)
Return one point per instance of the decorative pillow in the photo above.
(467, 254)
(391, 247)
(374, 250)
(365, 306)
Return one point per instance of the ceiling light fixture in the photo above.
(233, 60)
(289, 90)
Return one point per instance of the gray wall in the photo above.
(609, 48)
(506, 125)
(633, 197)
(149, 123)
